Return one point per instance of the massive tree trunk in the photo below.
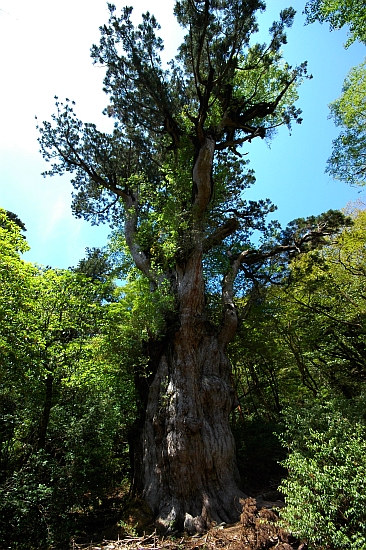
(189, 465)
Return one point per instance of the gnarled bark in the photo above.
(190, 474)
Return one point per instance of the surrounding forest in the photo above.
(190, 363)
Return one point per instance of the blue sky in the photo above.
(45, 52)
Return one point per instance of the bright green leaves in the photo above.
(12, 241)
(307, 336)
(140, 312)
(68, 312)
(348, 160)
(351, 244)
(325, 489)
(47, 317)
(18, 337)
(66, 400)
(139, 319)
(326, 305)
(331, 279)
(339, 13)
(165, 216)
(350, 108)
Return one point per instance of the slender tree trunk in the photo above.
(46, 411)
(189, 464)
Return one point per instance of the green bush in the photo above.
(326, 485)
(32, 504)
(43, 492)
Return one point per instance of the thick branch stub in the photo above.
(230, 316)
(216, 238)
(139, 257)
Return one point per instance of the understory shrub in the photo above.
(43, 491)
(325, 489)
(33, 504)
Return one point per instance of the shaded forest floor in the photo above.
(120, 523)
(258, 529)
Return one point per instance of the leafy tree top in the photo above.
(173, 172)
(10, 235)
(348, 159)
(219, 92)
(339, 13)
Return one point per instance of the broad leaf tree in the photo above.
(339, 13)
(348, 159)
(65, 401)
(325, 304)
(306, 337)
(172, 174)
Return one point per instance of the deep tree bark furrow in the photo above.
(190, 475)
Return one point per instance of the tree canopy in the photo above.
(65, 405)
(348, 159)
(339, 13)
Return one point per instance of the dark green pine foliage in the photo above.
(162, 115)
